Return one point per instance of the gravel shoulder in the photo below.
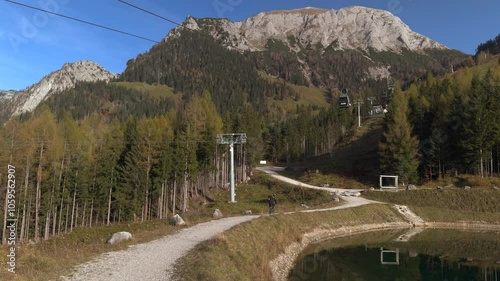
(153, 260)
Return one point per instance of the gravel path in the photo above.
(153, 260)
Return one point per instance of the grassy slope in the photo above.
(448, 205)
(244, 252)
(309, 96)
(156, 91)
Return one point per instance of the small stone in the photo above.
(467, 187)
(411, 187)
(247, 212)
(304, 206)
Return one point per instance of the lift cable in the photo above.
(149, 12)
(83, 21)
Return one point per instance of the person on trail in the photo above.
(272, 203)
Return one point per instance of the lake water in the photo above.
(423, 255)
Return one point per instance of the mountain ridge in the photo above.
(352, 27)
(26, 100)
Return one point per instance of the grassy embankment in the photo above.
(50, 259)
(244, 252)
(481, 205)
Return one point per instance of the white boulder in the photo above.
(217, 214)
(119, 236)
(177, 220)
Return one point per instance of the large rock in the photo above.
(119, 236)
(217, 214)
(177, 220)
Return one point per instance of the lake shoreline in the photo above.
(283, 263)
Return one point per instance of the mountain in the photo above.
(349, 28)
(355, 48)
(28, 99)
(6, 95)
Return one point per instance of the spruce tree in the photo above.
(398, 149)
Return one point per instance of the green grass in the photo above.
(254, 197)
(244, 252)
(309, 96)
(479, 200)
(447, 205)
(157, 91)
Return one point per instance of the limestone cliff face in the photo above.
(62, 79)
(348, 28)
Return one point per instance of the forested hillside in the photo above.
(456, 122)
(195, 62)
(98, 163)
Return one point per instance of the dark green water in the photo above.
(430, 255)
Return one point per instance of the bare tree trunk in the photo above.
(54, 220)
(26, 186)
(61, 206)
(73, 210)
(38, 193)
(29, 216)
(67, 218)
(76, 214)
(47, 228)
(160, 202)
(109, 204)
(49, 213)
(482, 163)
(185, 192)
(83, 213)
(165, 212)
(91, 212)
(174, 197)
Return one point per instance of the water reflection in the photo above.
(428, 255)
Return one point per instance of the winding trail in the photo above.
(155, 260)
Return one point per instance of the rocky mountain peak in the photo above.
(348, 28)
(62, 79)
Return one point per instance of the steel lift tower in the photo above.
(232, 139)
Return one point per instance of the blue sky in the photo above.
(33, 44)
